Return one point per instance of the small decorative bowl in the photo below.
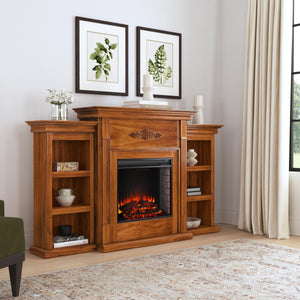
(192, 222)
(65, 200)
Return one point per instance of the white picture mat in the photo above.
(163, 38)
(119, 84)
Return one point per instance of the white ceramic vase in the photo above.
(191, 157)
(198, 117)
(65, 197)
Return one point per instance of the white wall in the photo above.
(294, 203)
(37, 53)
(234, 16)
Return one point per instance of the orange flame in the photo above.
(139, 209)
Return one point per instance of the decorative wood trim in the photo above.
(48, 253)
(95, 112)
(196, 129)
(62, 126)
(145, 242)
(145, 134)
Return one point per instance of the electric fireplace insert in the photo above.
(144, 189)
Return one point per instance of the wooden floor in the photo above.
(36, 265)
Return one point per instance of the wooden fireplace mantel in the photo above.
(137, 133)
(102, 137)
(95, 112)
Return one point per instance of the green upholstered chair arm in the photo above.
(1, 208)
(11, 236)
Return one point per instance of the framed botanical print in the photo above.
(101, 51)
(159, 55)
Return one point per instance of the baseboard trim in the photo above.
(294, 226)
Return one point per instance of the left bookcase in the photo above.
(62, 141)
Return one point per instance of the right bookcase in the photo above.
(201, 138)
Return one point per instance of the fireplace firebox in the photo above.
(144, 189)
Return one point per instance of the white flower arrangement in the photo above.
(59, 96)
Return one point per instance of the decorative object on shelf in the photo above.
(159, 53)
(65, 197)
(192, 222)
(65, 230)
(59, 99)
(191, 160)
(67, 166)
(147, 87)
(198, 106)
(101, 57)
(65, 238)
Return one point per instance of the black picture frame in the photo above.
(147, 40)
(107, 72)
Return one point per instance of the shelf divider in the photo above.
(60, 210)
(84, 173)
(199, 198)
(199, 168)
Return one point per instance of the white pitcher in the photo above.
(65, 197)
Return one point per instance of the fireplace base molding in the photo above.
(145, 242)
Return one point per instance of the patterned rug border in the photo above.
(159, 253)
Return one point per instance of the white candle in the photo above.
(147, 80)
(198, 100)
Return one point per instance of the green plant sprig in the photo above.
(161, 74)
(103, 54)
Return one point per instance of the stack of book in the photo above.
(66, 241)
(147, 104)
(193, 191)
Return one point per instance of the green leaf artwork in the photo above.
(102, 55)
(158, 69)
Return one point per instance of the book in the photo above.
(154, 106)
(194, 193)
(70, 243)
(65, 166)
(137, 102)
(193, 189)
(62, 238)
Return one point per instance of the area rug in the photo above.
(240, 269)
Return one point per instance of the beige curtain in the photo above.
(264, 163)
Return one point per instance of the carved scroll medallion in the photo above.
(145, 134)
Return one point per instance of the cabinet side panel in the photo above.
(102, 209)
(212, 208)
(92, 189)
(39, 170)
(98, 209)
(48, 191)
(183, 177)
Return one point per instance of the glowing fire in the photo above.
(137, 206)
